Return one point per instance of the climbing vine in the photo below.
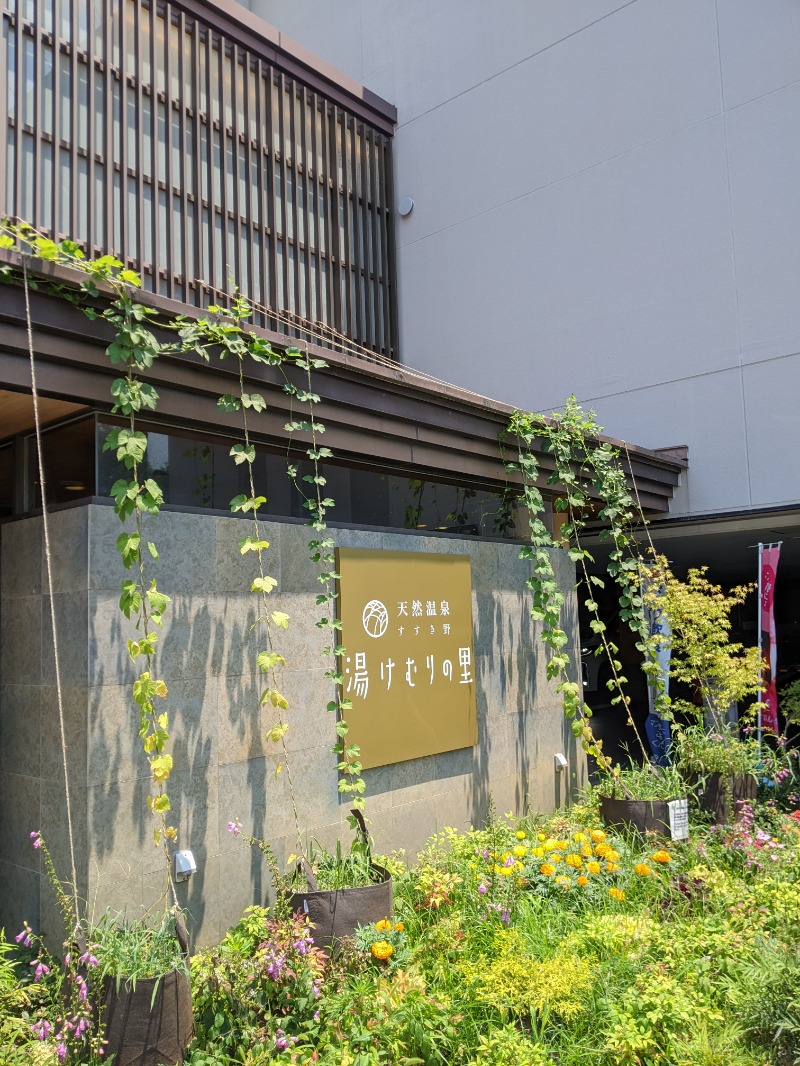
(593, 485)
(107, 290)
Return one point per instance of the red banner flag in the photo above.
(769, 695)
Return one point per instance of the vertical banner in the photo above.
(656, 727)
(768, 568)
(408, 667)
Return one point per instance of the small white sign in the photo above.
(679, 819)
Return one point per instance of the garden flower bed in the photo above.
(544, 941)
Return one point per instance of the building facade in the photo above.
(209, 152)
(605, 204)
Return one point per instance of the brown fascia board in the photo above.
(267, 41)
(388, 416)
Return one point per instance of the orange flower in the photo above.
(581, 880)
(612, 867)
(642, 869)
(573, 860)
(383, 926)
(598, 836)
(547, 869)
(616, 893)
(593, 867)
(662, 856)
(382, 949)
(586, 851)
(399, 927)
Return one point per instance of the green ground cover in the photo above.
(544, 941)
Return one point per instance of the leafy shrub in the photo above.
(259, 990)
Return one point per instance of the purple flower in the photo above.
(235, 827)
(61, 1051)
(24, 937)
(482, 889)
(281, 1043)
(41, 1030)
(88, 959)
(36, 838)
(42, 969)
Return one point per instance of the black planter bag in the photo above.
(336, 913)
(141, 1030)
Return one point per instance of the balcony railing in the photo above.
(195, 150)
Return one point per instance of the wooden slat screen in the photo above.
(136, 129)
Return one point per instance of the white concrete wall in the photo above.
(606, 203)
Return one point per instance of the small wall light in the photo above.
(560, 761)
(405, 207)
(185, 865)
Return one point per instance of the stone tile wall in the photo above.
(223, 766)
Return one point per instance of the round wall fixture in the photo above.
(405, 207)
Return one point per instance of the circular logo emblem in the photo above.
(375, 619)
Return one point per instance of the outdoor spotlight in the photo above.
(405, 207)
(185, 865)
(560, 761)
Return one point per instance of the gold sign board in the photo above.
(409, 666)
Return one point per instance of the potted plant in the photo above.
(647, 798)
(336, 892)
(141, 985)
(708, 751)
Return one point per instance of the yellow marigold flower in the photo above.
(586, 851)
(598, 836)
(547, 869)
(564, 882)
(382, 949)
(603, 849)
(562, 845)
(497, 869)
(612, 855)
(662, 856)
(593, 867)
(518, 866)
(519, 851)
(521, 834)
(581, 880)
(538, 852)
(541, 836)
(580, 837)
(383, 926)
(399, 927)
(574, 860)
(642, 869)
(556, 856)
(616, 893)
(549, 844)
(506, 871)
(612, 867)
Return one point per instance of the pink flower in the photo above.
(41, 1030)
(61, 1051)
(482, 889)
(235, 827)
(36, 838)
(42, 969)
(24, 937)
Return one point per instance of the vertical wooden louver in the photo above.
(138, 128)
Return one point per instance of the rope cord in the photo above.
(49, 568)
